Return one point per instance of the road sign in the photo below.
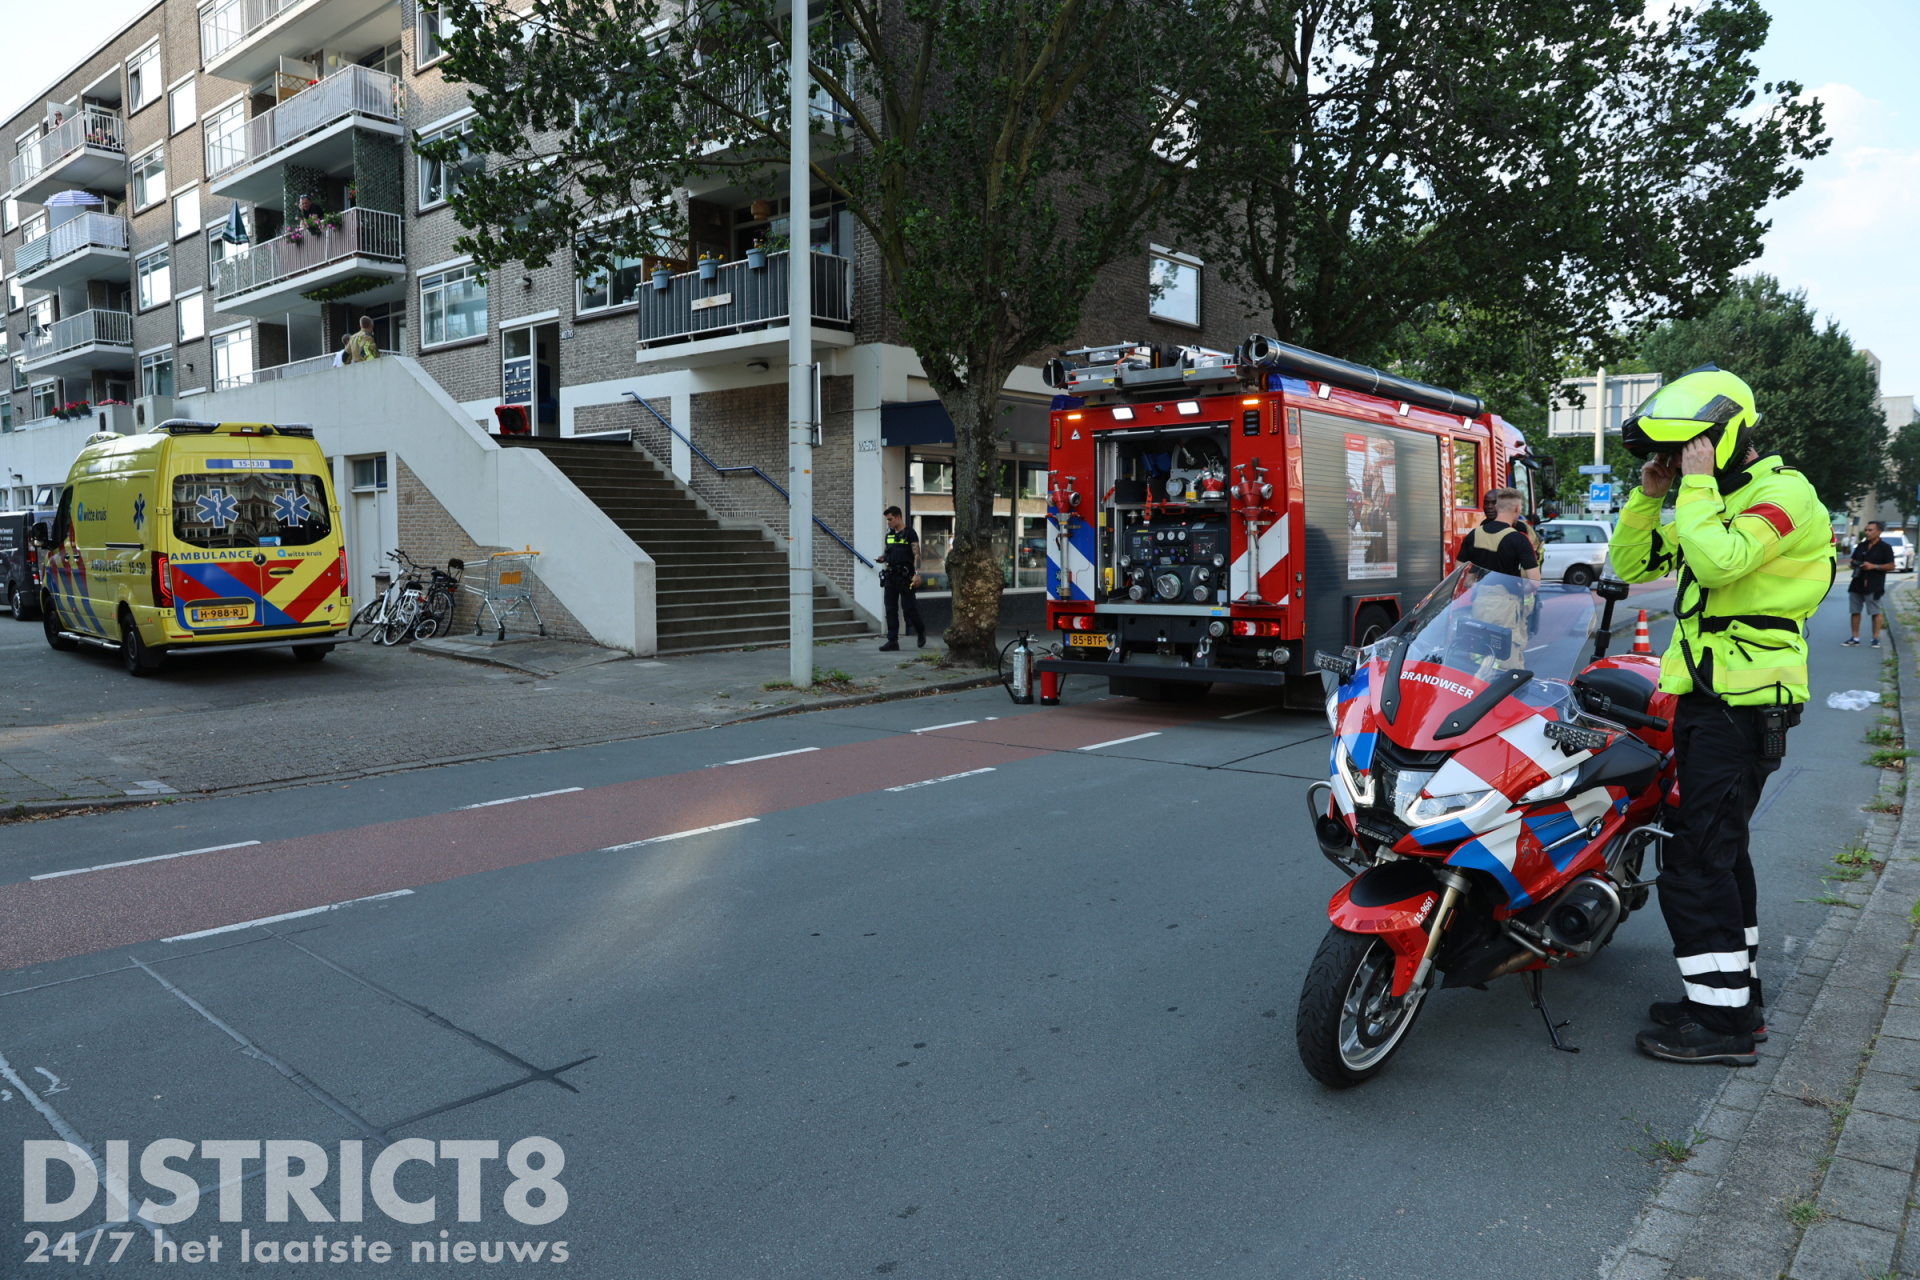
(1598, 469)
(1599, 493)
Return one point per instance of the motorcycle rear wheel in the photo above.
(1345, 1033)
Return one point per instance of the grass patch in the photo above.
(835, 682)
(1885, 806)
(1803, 1212)
(1847, 874)
(1833, 900)
(1884, 734)
(1671, 1150)
(1889, 758)
(1913, 912)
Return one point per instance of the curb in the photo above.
(865, 699)
(1801, 1165)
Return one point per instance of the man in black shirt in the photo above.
(1869, 580)
(900, 574)
(1497, 544)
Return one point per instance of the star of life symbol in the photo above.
(218, 509)
(291, 508)
(140, 512)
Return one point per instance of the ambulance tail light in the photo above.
(344, 577)
(1243, 628)
(162, 593)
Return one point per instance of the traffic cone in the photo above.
(1642, 642)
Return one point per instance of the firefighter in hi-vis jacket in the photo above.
(1753, 546)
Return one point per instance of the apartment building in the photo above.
(208, 203)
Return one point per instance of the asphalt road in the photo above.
(1031, 1018)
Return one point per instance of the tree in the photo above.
(1903, 470)
(1818, 397)
(998, 153)
(1541, 169)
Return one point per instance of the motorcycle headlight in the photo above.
(1428, 809)
(1333, 710)
(1551, 789)
(1359, 785)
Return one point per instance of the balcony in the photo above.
(739, 303)
(244, 40)
(746, 89)
(271, 278)
(278, 372)
(90, 150)
(90, 340)
(314, 128)
(92, 246)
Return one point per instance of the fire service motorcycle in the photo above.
(1497, 783)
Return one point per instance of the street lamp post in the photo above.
(800, 406)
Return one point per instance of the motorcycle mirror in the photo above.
(1610, 589)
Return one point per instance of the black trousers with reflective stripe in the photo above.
(901, 600)
(1707, 892)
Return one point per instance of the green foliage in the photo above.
(1520, 175)
(1818, 397)
(347, 288)
(1903, 471)
(998, 153)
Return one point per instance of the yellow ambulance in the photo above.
(196, 536)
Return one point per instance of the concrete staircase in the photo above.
(717, 588)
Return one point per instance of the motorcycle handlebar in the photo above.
(1601, 705)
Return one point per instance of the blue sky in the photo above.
(1848, 236)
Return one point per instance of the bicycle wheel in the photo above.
(362, 624)
(405, 615)
(439, 612)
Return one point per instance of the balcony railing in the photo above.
(277, 372)
(348, 91)
(740, 297)
(362, 233)
(88, 231)
(226, 23)
(745, 89)
(89, 328)
(100, 129)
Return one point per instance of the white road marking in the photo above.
(488, 804)
(955, 725)
(772, 755)
(286, 915)
(134, 862)
(1256, 711)
(949, 778)
(1121, 741)
(679, 835)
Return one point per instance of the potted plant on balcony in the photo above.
(709, 265)
(757, 256)
(662, 278)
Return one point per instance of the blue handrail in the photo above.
(682, 436)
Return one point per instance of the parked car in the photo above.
(19, 565)
(1902, 550)
(1576, 550)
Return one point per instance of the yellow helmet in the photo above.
(1707, 401)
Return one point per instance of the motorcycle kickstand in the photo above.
(1536, 979)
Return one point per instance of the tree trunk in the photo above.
(973, 561)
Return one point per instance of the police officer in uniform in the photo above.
(901, 574)
(1753, 546)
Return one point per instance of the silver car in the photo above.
(1576, 550)
(1902, 550)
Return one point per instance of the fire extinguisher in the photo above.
(1019, 673)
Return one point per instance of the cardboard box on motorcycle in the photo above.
(197, 536)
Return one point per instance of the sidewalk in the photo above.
(199, 728)
(1803, 1167)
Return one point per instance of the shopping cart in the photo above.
(506, 589)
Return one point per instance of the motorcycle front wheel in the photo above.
(1347, 1027)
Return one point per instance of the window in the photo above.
(45, 399)
(232, 359)
(19, 376)
(143, 77)
(181, 107)
(35, 228)
(219, 509)
(150, 178)
(186, 213)
(11, 217)
(370, 473)
(156, 374)
(1466, 473)
(40, 314)
(226, 135)
(437, 180)
(613, 287)
(387, 60)
(1173, 287)
(430, 34)
(15, 297)
(192, 309)
(154, 279)
(453, 305)
(219, 249)
(6, 424)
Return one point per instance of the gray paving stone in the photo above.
(1866, 1194)
(1888, 1094)
(1744, 1091)
(1663, 1233)
(1685, 1191)
(1727, 1122)
(1641, 1266)
(1710, 1157)
(1843, 1251)
(1902, 1021)
(1902, 1057)
(1880, 1139)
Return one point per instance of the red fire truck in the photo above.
(1218, 517)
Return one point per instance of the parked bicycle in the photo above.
(410, 609)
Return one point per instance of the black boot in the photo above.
(1671, 1013)
(1691, 1042)
(891, 646)
(923, 640)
